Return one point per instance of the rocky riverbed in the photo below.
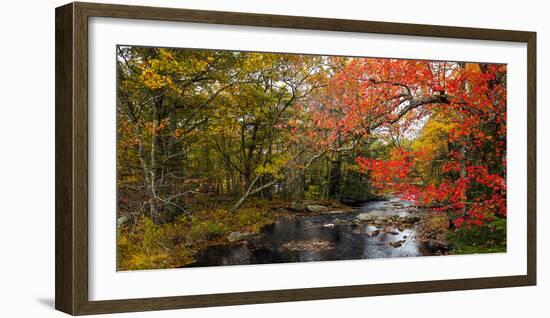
(375, 229)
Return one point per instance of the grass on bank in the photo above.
(146, 245)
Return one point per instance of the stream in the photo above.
(324, 237)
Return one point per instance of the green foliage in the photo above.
(356, 185)
(147, 245)
(313, 192)
(489, 238)
(252, 219)
(208, 225)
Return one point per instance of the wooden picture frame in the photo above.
(71, 124)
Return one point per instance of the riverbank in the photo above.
(298, 231)
(145, 245)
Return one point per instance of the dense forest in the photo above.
(213, 143)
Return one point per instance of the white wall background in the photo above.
(27, 158)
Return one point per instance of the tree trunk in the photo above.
(250, 192)
(335, 180)
(153, 187)
(250, 156)
(148, 175)
(228, 182)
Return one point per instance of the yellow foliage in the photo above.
(472, 67)
(150, 246)
(153, 80)
(432, 143)
(146, 245)
(274, 167)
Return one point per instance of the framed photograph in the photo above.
(219, 158)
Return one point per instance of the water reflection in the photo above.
(341, 237)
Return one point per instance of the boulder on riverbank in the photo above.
(238, 236)
(297, 206)
(312, 206)
(316, 208)
(303, 207)
(122, 220)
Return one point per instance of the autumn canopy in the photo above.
(206, 130)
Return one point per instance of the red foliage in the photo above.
(368, 94)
